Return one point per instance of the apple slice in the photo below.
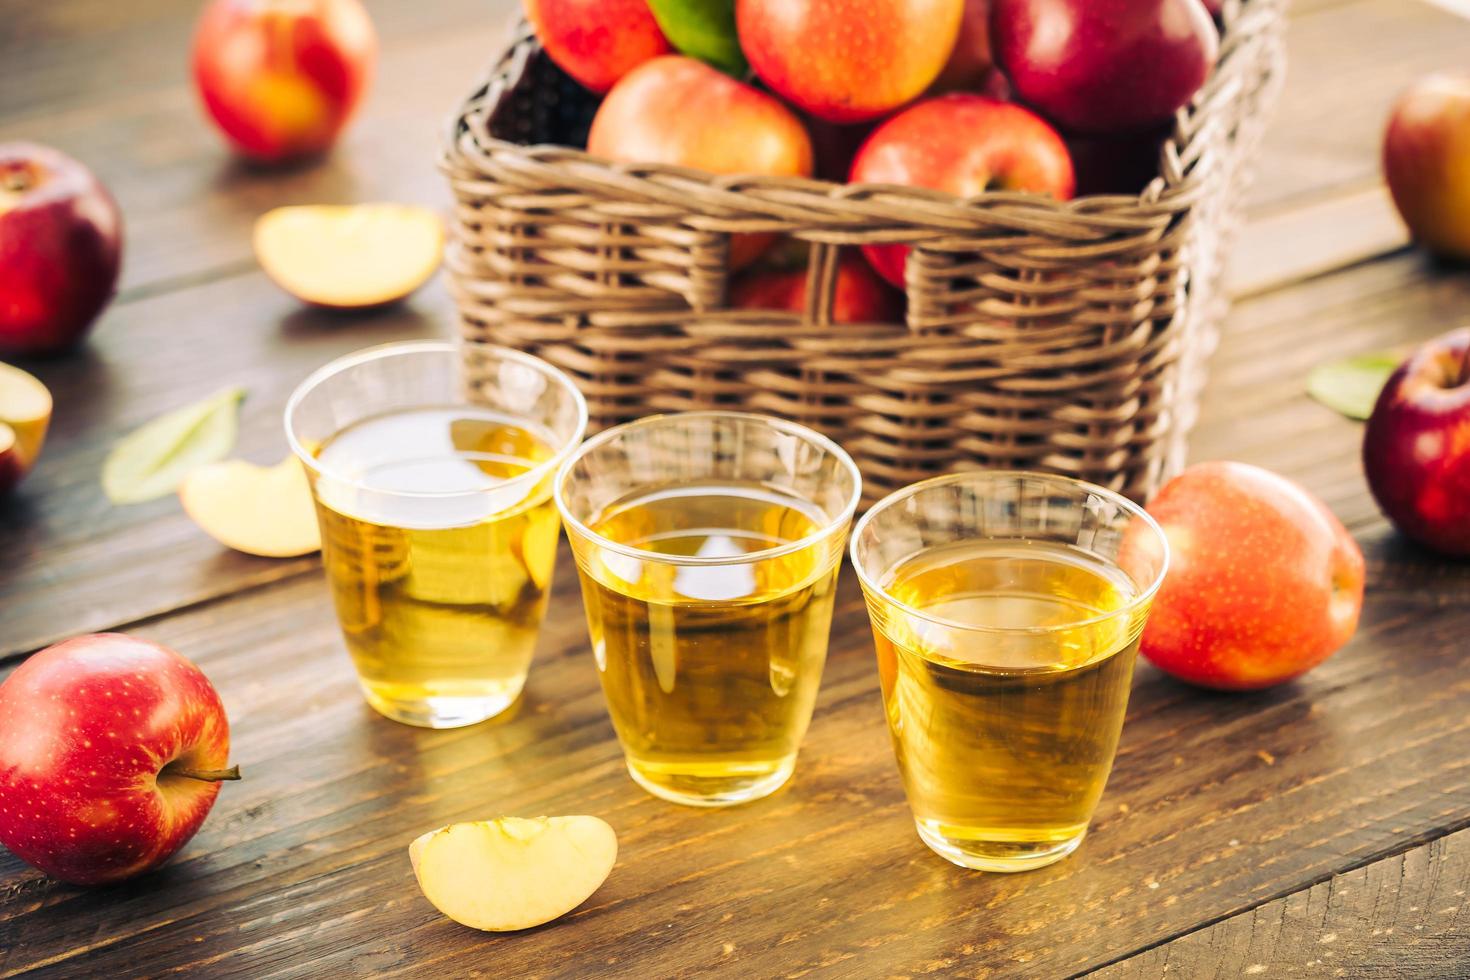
(25, 412)
(260, 510)
(349, 256)
(513, 873)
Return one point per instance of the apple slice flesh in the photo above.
(25, 406)
(513, 873)
(349, 256)
(260, 510)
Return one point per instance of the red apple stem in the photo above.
(208, 775)
(1464, 372)
(15, 180)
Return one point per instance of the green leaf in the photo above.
(703, 29)
(1351, 385)
(152, 460)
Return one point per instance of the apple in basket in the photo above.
(597, 42)
(678, 111)
(1264, 582)
(848, 61)
(858, 295)
(1105, 66)
(966, 145)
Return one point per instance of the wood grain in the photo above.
(1236, 831)
(1407, 916)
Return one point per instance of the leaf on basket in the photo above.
(150, 461)
(1351, 385)
(703, 29)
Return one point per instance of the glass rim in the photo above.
(843, 518)
(1144, 596)
(394, 348)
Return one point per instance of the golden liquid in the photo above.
(440, 596)
(1005, 740)
(710, 671)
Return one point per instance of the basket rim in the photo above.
(1165, 197)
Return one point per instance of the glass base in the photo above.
(441, 712)
(728, 788)
(994, 855)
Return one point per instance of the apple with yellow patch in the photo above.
(513, 873)
(260, 510)
(25, 414)
(349, 256)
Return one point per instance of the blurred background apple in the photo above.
(280, 78)
(1426, 160)
(60, 249)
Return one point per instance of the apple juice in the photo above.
(1004, 739)
(710, 669)
(439, 558)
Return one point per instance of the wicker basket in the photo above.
(1062, 337)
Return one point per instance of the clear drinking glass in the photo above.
(1006, 611)
(431, 465)
(708, 545)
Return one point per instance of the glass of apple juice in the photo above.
(1006, 610)
(431, 466)
(708, 545)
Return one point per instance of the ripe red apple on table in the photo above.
(1105, 66)
(678, 111)
(111, 754)
(1264, 583)
(964, 144)
(60, 249)
(1416, 446)
(1424, 154)
(282, 77)
(848, 60)
(597, 42)
(858, 295)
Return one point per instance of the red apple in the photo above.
(1105, 66)
(60, 249)
(111, 753)
(597, 42)
(970, 63)
(967, 145)
(1424, 154)
(282, 77)
(858, 295)
(1264, 583)
(1416, 447)
(678, 111)
(848, 60)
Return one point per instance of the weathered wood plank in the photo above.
(1405, 916)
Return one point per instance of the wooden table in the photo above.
(1318, 829)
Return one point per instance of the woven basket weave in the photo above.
(1063, 337)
